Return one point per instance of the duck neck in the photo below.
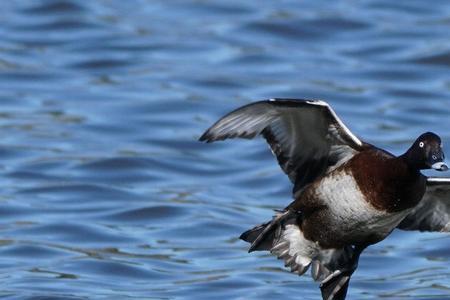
(411, 161)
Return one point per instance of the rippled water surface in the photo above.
(105, 192)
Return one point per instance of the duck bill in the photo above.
(440, 166)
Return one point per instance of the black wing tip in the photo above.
(209, 137)
(205, 137)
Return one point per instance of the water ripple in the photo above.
(106, 192)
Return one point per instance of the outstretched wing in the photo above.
(307, 137)
(433, 211)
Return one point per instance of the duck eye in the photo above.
(421, 144)
(434, 157)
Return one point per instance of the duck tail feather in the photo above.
(262, 236)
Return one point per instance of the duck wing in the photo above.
(433, 211)
(307, 137)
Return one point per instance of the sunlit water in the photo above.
(105, 192)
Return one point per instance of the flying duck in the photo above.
(348, 194)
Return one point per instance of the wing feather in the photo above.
(307, 137)
(433, 211)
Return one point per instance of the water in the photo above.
(105, 192)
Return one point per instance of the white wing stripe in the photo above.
(341, 124)
(346, 130)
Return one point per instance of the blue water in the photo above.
(105, 192)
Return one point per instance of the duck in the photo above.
(347, 194)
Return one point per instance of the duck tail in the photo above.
(262, 237)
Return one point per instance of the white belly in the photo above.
(349, 212)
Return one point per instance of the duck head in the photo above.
(426, 153)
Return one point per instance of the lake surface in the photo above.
(105, 191)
